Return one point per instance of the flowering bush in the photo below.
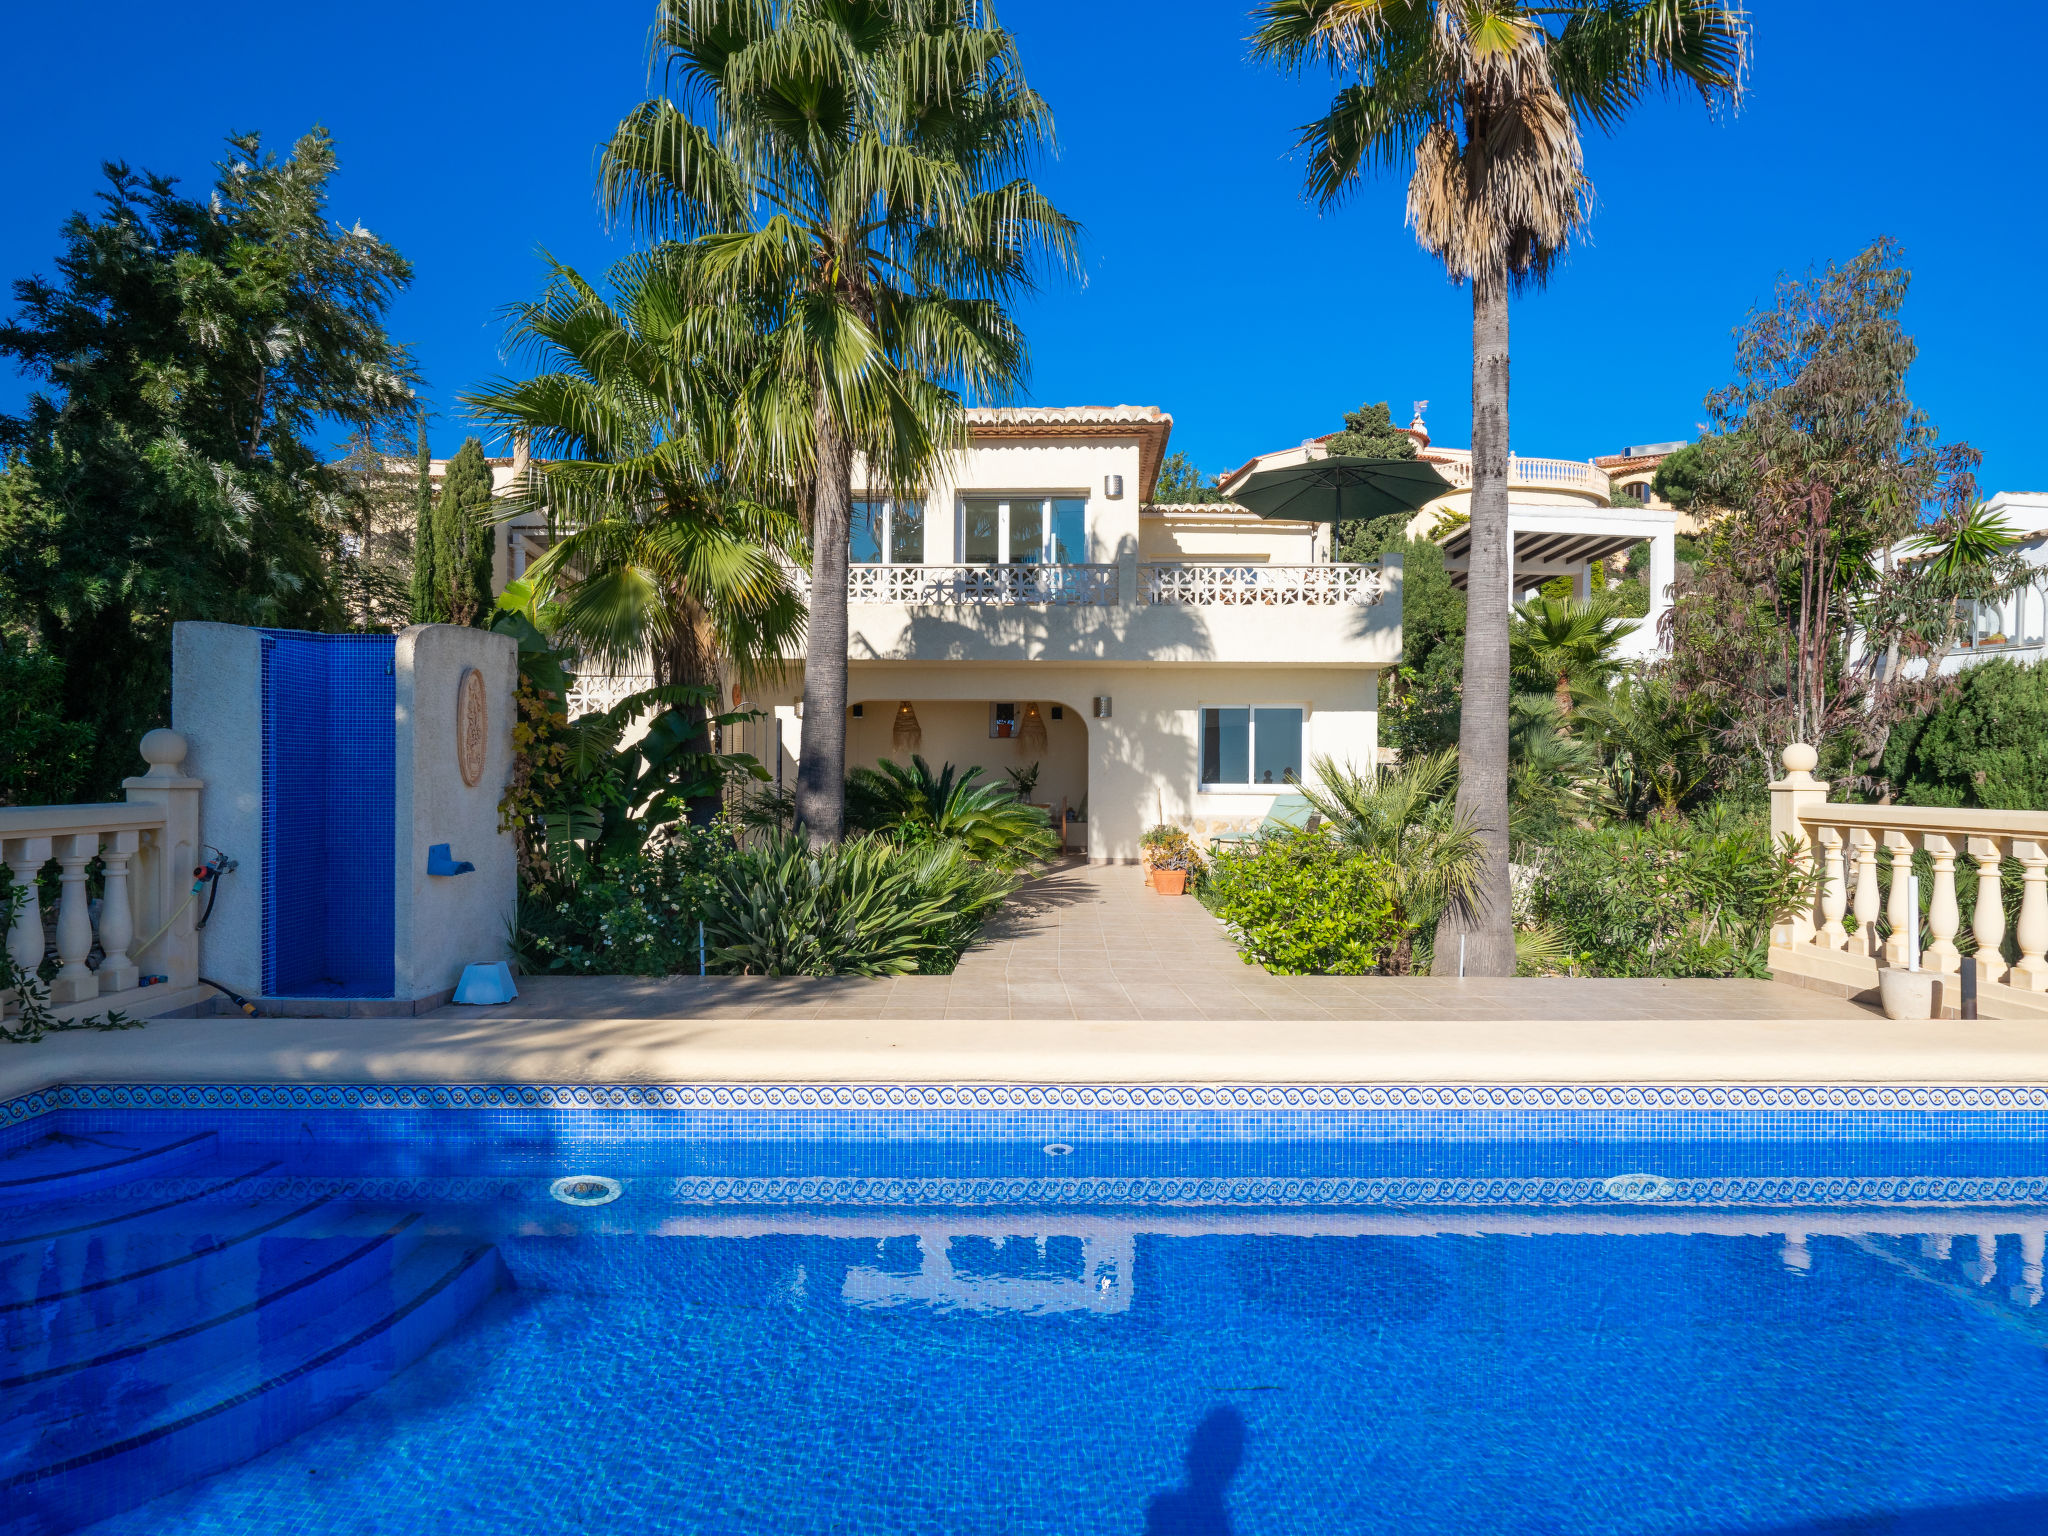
(630, 917)
(1305, 904)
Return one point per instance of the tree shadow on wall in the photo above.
(1214, 1455)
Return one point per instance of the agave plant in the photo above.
(914, 805)
(865, 907)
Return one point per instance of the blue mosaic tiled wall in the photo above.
(329, 741)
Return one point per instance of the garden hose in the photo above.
(207, 874)
(232, 996)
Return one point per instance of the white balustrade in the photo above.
(923, 586)
(593, 693)
(146, 848)
(1204, 584)
(1455, 464)
(1847, 842)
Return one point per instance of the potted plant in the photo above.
(1175, 859)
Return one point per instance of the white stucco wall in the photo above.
(217, 705)
(444, 922)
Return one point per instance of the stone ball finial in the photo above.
(163, 750)
(1799, 758)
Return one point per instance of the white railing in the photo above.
(1057, 586)
(147, 847)
(595, 692)
(1851, 843)
(1257, 586)
(1530, 474)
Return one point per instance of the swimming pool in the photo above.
(923, 1308)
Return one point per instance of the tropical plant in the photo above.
(1024, 780)
(45, 757)
(863, 907)
(1482, 105)
(1678, 897)
(1553, 774)
(1429, 854)
(636, 916)
(190, 363)
(1306, 903)
(913, 805)
(1658, 745)
(851, 172)
(1570, 647)
(664, 557)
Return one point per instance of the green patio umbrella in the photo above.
(1339, 489)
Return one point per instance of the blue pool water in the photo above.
(330, 1320)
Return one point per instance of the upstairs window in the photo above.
(1251, 747)
(1024, 530)
(887, 533)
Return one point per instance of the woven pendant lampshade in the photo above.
(907, 733)
(1031, 730)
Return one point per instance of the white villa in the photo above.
(2017, 626)
(1156, 662)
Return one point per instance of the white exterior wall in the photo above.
(217, 706)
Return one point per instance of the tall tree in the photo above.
(427, 607)
(862, 160)
(463, 535)
(663, 553)
(192, 356)
(1482, 102)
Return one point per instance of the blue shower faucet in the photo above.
(441, 862)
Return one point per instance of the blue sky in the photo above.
(467, 134)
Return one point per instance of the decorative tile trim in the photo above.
(972, 1096)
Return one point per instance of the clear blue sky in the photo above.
(467, 134)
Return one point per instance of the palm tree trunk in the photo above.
(821, 744)
(1486, 924)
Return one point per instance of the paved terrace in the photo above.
(1093, 978)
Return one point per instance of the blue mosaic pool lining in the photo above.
(926, 1112)
(329, 809)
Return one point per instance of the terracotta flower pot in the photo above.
(1170, 882)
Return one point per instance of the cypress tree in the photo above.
(429, 605)
(462, 537)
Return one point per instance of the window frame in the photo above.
(1048, 543)
(1251, 745)
(889, 505)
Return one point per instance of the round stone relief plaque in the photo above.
(472, 725)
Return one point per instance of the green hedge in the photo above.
(1985, 745)
(1304, 904)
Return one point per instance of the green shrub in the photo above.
(1982, 746)
(1673, 898)
(45, 757)
(635, 915)
(865, 907)
(914, 806)
(1304, 904)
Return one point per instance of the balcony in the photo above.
(1572, 476)
(1213, 585)
(925, 586)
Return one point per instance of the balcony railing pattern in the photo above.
(1262, 586)
(1057, 586)
(1531, 474)
(1853, 844)
(594, 692)
(145, 848)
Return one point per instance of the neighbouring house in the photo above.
(1154, 662)
(2015, 627)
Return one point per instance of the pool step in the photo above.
(152, 1337)
(63, 1167)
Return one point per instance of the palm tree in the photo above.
(1482, 101)
(863, 160)
(661, 552)
(1404, 815)
(1568, 645)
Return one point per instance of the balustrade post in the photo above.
(117, 972)
(1944, 917)
(1987, 923)
(1834, 892)
(75, 981)
(2031, 931)
(166, 872)
(25, 857)
(1798, 791)
(1869, 906)
(1899, 911)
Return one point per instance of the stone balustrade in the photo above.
(1214, 584)
(1852, 845)
(1574, 475)
(147, 847)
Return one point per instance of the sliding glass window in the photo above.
(1024, 530)
(1251, 747)
(893, 526)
